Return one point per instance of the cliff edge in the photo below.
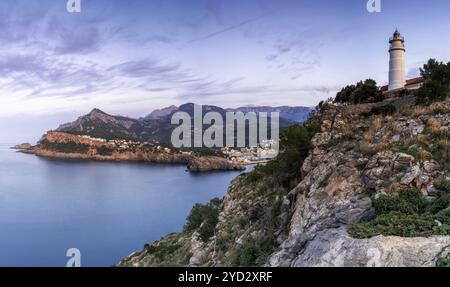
(373, 190)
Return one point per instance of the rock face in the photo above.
(161, 113)
(356, 156)
(61, 145)
(317, 235)
(24, 146)
(100, 124)
(323, 209)
(334, 247)
(211, 163)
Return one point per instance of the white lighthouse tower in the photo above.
(397, 71)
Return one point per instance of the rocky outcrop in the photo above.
(61, 145)
(356, 157)
(334, 247)
(24, 146)
(331, 196)
(211, 163)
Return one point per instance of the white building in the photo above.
(397, 70)
(397, 67)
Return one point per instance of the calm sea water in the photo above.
(107, 210)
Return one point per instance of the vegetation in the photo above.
(407, 214)
(105, 150)
(204, 218)
(203, 151)
(437, 82)
(173, 251)
(444, 262)
(253, 252)
(433, 143)
(362, 92)
(162, 250)
(442, 185)
(295, 143)
(69, 147)
(384, 110)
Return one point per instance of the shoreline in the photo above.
(192, 163)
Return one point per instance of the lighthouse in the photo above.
(397, 77)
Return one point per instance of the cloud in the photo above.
(164, 39)
(145, 68)
(228, 29)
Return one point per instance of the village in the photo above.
(246, 156)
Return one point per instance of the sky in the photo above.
(130, 57)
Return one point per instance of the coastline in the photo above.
(63, 146)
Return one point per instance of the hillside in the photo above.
(61, 145)
(157, 125)
(358, 185)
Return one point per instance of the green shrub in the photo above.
(437, 82)
(408, 215)
(204, 218)
(253, 252)
(68, 147)
(442, 185)
(444, 262)
(362, 92)
(295, 143)
(162, 250)
(105, 150)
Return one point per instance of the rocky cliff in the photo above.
(373, 191)
(62, 145)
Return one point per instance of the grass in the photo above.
(374, 128)
(407, 214)
(435, 127)
(415, 112)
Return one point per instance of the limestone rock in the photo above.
(334, 247)
(210, 163)
(411, 175)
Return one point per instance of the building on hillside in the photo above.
(411, 84)
(397, 70)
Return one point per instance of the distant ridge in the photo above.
(158, 114)
(157, 125)
(294, 114)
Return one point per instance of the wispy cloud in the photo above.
(228, 29)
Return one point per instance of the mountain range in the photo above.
(157, 125)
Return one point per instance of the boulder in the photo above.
(335, 248)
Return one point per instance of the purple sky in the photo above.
(130, 57)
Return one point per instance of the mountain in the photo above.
(293, 114)
(157, 125)
(358, 185)
(158, 114)
(102, 125)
